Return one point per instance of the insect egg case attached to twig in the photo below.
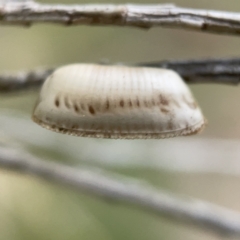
(91, 100)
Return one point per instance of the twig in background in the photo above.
(126, 191)
(142, 16)
(223, 71)
(226, 71)
(23, 80)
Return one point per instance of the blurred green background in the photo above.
(33, 209)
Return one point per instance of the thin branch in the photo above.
(143, 16)
(125, 191)
(23, 80)
(223, 71)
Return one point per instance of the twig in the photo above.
(223, 71)
(23, 80)
(125, 191)
(143, 16)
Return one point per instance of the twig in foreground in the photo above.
(126, 191)
(143, 16)
(223, 71)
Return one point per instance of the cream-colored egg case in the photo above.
(91, 100)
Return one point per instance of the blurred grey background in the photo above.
(206, 166)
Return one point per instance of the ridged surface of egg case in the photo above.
(117, 102)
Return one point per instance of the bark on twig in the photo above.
(142, 16)
(23, 80)
(222, 71)
(126, 191)
(225, 71)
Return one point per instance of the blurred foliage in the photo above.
(32, 209)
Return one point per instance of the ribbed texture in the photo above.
(117, 102)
